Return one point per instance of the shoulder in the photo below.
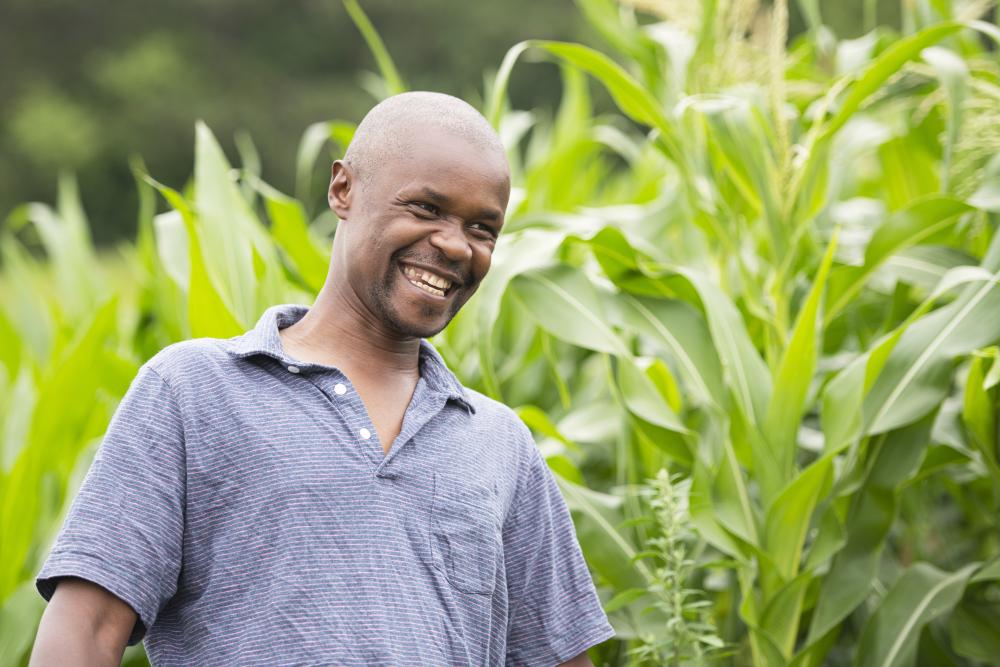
(507, 433)
(495, 414)
(196, 380)
(180, 363)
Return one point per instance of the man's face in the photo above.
(422, 229)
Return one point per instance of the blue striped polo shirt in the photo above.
(242, 504)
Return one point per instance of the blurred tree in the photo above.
(87, 84)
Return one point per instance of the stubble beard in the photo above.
(382, 299)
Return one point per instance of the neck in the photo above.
(339, 331)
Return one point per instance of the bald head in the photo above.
(387, 130)
(421, 197)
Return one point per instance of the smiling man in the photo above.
(322, 489)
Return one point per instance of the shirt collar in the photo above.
(264, 339)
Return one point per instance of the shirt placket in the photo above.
(347, 402)
(424, 405)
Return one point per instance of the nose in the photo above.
(450, 240)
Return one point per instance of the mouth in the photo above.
(427, 281)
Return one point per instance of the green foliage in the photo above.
(87, 85)
(772, 272)
(689, 637)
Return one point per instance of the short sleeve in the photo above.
(554, 611)
(124, 529)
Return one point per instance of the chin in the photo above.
(417, 332)
(417, 329)
(423, 323)
(411, 315)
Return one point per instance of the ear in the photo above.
(341, 190)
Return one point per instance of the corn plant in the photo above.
(779, 297)
(67, 359)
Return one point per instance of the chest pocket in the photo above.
(465, 534)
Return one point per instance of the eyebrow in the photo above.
(491, 214)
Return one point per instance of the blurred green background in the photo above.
(87, 84)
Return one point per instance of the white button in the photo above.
(293, 369)
(365, 434)
(339, 389)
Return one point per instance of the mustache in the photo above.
(434, 261)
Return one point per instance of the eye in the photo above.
(484, 230)
(426, 207)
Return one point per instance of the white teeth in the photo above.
(429, 282)
(430, 290)
(436, 281)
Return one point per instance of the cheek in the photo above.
(378, 253)
(481, 260)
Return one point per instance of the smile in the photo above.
(431, 283)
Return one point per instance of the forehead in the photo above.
(450, 163)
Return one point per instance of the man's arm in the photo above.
(83, 625)
(579, 661)
(123, 533)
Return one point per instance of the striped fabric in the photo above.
(241, 503)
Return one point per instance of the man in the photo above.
(322, 489)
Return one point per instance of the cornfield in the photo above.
(746, 299)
